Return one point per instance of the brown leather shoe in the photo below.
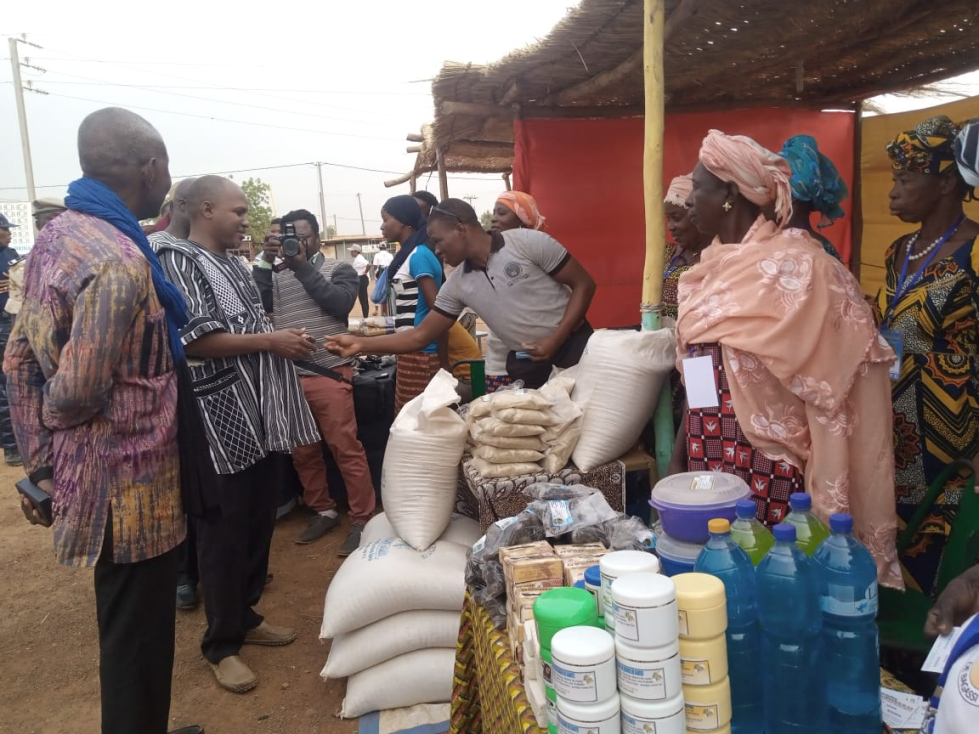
(233, 675)
(269, 635)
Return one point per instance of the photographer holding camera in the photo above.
(313, 292)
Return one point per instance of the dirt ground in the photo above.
(49, 650)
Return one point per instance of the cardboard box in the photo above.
(583, 550)
(541, 568)
(527, 550)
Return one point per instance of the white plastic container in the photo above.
(583, 665)
(649, 674)
(645, 609)
(579, 718)
(622, 563)
(661, 717)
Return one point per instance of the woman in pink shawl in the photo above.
(799, 370)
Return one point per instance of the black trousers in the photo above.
(187, 574)
(362, 296)
(7, 440)
(137, 623)
(233, 556)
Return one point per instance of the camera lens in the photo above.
(290, 247)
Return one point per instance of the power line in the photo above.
(219, 119)
(150, 88)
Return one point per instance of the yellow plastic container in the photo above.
(703, 662)
(701, 606)
(708, 708)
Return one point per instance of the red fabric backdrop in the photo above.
(587, 178)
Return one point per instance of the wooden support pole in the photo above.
(856, 194)
(506, 180)
(415, 138)
(652, 282)
(652, 279)
(413, 183)
(443, 177)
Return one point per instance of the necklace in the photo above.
(941, 240)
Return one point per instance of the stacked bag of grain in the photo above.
(617, 384)
(516, 431)
(392, 609)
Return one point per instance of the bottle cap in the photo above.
(841, 523)
(719, 525)
(800, 501)
(784, 532)
(747, 508)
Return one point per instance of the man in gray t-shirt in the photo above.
(532, 294)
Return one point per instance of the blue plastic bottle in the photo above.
(726, 560)
(848, 596)
(792, 646)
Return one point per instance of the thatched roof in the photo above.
(718, 54)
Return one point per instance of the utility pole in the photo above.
(335, 230)
(363, 227)
(22, 116)
(319, 173)
(470, 199)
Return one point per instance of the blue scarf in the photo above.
(88, 196)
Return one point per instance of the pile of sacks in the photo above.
(393, 615)
(393, 608)
(514, 431)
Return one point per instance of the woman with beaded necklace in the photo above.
(929, 313)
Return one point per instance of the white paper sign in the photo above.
(940, 651)
(902, 710)
(698, 377)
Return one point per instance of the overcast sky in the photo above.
(233, 88)
(338, 82)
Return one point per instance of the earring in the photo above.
(726, 206)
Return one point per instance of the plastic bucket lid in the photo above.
(644, 590)
(583, 646)
(563, 607)
(593, 575)
(676, 550)
(699, 591)
(698, 490)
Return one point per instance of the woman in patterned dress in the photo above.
(688, 241)
(929, 306)
(797, 389)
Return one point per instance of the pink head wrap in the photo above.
(679, 191)
(762, 177)
(524, 206)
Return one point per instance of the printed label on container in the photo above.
(701, 718)
(704, 482)
(566, 727)
(626, 622)
(646, 684)
(695, 672)
(552, 712)
(580, 687)
(606, 597)
(682, 622)
(842, 601)
(560, 512)
(546, 672)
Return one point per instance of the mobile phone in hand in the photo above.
(39, 499)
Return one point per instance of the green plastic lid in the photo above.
(563, 607)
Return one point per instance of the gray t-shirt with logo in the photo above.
(516, 295)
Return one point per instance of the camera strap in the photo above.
(321, 371)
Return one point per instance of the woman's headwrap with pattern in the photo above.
(925, 149)
(815, 178)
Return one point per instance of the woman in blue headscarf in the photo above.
(816, 187)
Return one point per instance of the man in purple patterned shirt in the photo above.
(93, 397)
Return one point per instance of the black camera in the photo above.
(291, 243)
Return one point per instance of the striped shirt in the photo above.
(158, 238)
(251, 404)
(317, 297)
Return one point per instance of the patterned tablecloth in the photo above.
(488, 695)
(489, 500)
